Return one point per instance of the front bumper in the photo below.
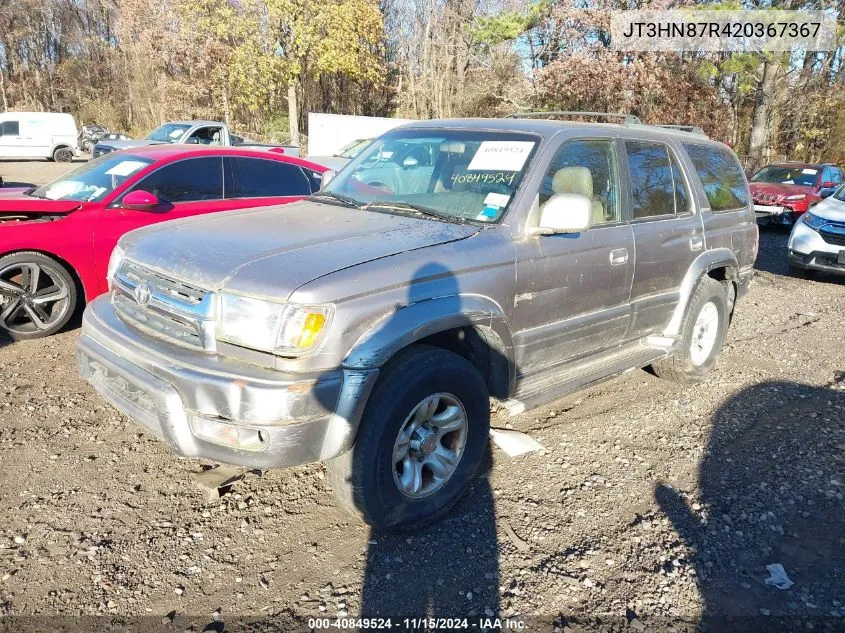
(165, 388)
(807, 249)
(770, 214)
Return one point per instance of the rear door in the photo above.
(668, 234)
(187, 187)
(265, 181)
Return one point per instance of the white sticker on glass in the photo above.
(125, 168)
(497, 199)
(501, 155)
(810, 172)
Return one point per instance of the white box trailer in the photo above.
(50, 135)
(328, 134)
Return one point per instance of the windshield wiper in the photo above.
(402, 205)
(348, 201)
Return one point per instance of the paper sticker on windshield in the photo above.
(125, 168)
(494, 199)
(810, 172)
(176, 133)
(501, 155)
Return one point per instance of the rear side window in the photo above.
(10, 128)
(265, 178)
(187, 180)
(657, 186)
(721, 176)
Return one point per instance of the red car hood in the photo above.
(777, 189)
(14, 200)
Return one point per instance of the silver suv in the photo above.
(450, 263)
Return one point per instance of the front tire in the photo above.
(703, 333)
(37, 296)
(422, 438)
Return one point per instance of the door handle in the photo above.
(696, 243)
(619, 256)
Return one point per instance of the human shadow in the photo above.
(771, 492)
(448, 568)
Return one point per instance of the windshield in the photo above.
(168, 133)
(351, 150)
(787, 175)
(839, 194)
(454, 174)
(94, 180)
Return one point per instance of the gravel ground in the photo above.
(652, 504)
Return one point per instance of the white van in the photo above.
(49, 135)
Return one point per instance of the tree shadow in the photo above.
(771, 491)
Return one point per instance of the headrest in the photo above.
(573, 180)
(453, 147)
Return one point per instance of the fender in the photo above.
(707, 261)
(431, 316)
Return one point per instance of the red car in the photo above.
(56, 240)
(783, 191)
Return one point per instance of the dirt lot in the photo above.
(34, 172)
(652, 504)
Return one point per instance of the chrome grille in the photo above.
(173, 287)
(168, 308)
(156, 323)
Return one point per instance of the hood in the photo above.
(117, 145)
(14, 200)
(779, 190)
(272, 251)
(830, 209)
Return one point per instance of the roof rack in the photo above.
(627, 119)
(692, 129)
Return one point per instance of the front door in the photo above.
(12, 142)
(578, 301)
(667, 233)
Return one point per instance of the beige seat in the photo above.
(579, 180)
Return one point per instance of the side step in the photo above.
(555, 383)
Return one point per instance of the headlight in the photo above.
(793, 198)
(813, 221)
(287, 329)
(117, 256)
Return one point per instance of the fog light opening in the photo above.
(231, 435)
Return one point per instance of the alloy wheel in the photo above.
(33, 297)
(429, 445)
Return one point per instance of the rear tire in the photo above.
(421, 394)
(702, 335)
(37, 296)
(63, 155)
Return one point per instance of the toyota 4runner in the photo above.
(450, 263)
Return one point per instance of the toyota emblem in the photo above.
(143, 294)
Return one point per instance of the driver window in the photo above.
(186, 180)
(206, 136)
(586, 167)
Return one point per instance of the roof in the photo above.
(548, 127)
(196, 122)
(167, 151)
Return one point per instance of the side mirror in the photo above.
(139, 200)
(409, 162)
(327, 177)
(193, 140)
(564, 213)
